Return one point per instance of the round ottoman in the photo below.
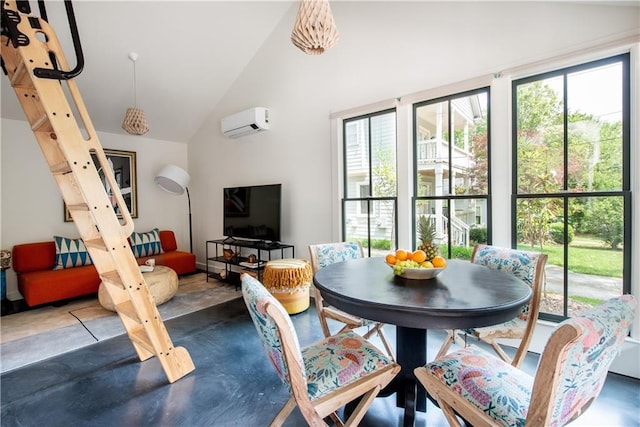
(288, 280)
(162, 283)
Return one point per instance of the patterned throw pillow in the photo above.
(70, 253)
(146, 244)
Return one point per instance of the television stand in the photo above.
(228, 268)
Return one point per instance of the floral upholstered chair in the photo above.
(527, 266)
(321, 377)
(329, 253)
(486, 391)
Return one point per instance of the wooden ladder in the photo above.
(68, 149)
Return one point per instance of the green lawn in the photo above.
(586, 256)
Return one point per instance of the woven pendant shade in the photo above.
(134, 122)
(314, 30)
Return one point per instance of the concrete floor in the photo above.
(104, 384)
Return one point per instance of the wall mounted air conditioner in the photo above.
(246, 122)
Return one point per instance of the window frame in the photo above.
(447, 198)
(369, 200)
(565, 194)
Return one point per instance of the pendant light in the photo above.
(314, 30)
(134, 121)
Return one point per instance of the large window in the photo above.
(369, 205)
(571, 181)
(451, 171)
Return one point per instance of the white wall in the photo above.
(387, 50)
(32, 208)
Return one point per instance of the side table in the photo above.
(162, 283)
(5, 262)
(289, 280)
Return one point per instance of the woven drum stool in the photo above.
(288, 280)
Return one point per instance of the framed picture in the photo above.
(123, 167)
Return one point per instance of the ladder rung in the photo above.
(60, 168)
(139, 336)
(112, 278)
(126, 308)
(42, 123)
(42, 101)
(18, 74)
(81, 207)
(96, 244)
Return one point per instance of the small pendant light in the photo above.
(314, 30)
(134, 121)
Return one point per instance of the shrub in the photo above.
(381, 244)
(557, 232)
(461, 252)
(375, 243)
(478, 235)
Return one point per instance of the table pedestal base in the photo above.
(411, 352)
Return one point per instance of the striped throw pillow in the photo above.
(146, 244)
(70, 253)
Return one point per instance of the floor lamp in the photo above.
(175, 180)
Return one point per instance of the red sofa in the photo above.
(39, 283)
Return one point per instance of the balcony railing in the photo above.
(432, 151)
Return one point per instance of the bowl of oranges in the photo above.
(415, 265)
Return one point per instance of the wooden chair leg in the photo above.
(284, 413)
(383, 337)
(504, 356)
(336, 419)
(424, 378)
(446, 344)
(385, 342)
(363, 405)
(345, 328)
(448, 412)
(370, 333)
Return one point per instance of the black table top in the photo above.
(464, 295)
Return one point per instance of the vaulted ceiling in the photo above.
(190, 53)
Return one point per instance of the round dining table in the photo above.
(463, 295)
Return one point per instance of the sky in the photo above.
(597, 91)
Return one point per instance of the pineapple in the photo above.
(427, 232)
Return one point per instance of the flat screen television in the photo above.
(253, 212)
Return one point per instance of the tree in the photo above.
(539, 168)
(604, 218)
(594, 150)
(479, 171)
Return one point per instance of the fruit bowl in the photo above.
(416, 273)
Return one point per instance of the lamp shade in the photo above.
(314, 30)
(172, 179)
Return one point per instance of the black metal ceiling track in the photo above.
(10, 20)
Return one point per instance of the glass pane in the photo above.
(534, 218)
(383, 227)
(356, 141)
(595, 252)
(468, 225)
(595, 129)
(540, 157)
(432, 145)
(376, 230)
(356, 221)
(469, 169)
(540, 222)
(435, 211)
(383, 155)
